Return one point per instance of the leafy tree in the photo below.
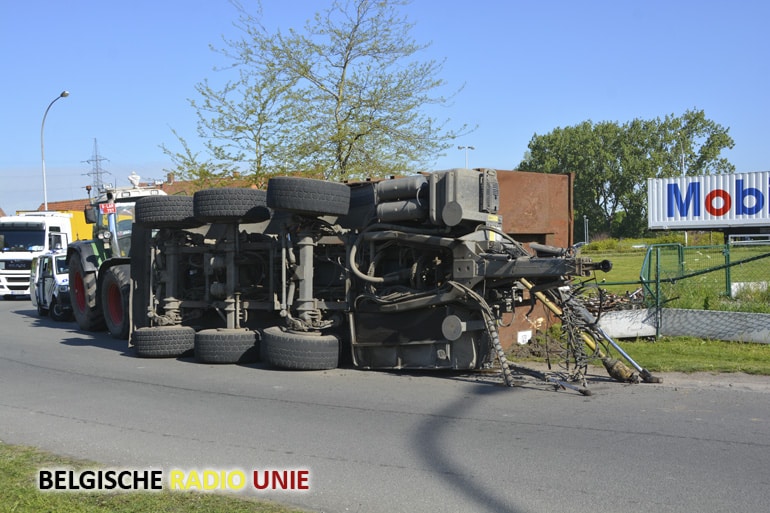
(340, 99)
(612, 163)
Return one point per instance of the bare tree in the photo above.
(342, 98)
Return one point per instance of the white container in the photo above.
(709, 201)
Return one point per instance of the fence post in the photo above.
(728, 277)
(657, 293)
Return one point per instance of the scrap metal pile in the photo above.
(583, 342)
(605, 301)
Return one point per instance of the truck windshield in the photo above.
(62, 266)
(13, 239)
(124, 218)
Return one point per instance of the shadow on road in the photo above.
(71, 335)
(431, 445)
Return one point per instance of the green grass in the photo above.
(706, 291)
(688, 354)
(667, 354)
(625, 269)
(19, 492)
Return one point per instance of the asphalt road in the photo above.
(389, 442)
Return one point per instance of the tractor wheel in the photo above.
(85, 307)
(307, 196)
(230, 205)
(114, 296)
(301, 351)
(226, 346)
(163, 341)
(165, 212)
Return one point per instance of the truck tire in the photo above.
(58, 313)
(226, 346)
(85, 307)
(308, 196)
(230, 205)
(165, 212)
(114, 297)
(289, 350)
(163, 341)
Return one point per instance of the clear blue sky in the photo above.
(528, 67)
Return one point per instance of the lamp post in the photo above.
(466, 148)
(63, 94)
(585, 228)
(684, 172)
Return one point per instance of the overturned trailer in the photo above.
(407, 273)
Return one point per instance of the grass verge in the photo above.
(668, 354)
(19, 492)
(689, 354)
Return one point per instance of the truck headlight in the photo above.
(64, 288)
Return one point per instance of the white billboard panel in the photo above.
(709, 201)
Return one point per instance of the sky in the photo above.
(522, 68)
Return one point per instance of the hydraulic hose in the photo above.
(615, 368)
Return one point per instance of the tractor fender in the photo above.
(89, 255)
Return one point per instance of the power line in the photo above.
(97, 171)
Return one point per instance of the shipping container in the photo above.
(709, 201)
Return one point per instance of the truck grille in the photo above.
(18, 286)
(16, 265)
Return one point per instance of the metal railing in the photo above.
(732, 277)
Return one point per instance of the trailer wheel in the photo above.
(163, 341)
(300, 351)
(165, 212)
(308, 196)
(226, 346)
(85, 307)
(230, 205)
(58, 313)
(114, 296)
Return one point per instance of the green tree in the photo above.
(343, 98)
(612, 163)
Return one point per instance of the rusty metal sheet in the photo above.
(537, 207)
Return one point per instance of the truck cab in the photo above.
(23, 238)
(49, 286)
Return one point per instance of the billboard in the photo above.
(709, 201)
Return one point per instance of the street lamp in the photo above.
(63, 94)
(681, 150)
(684, 172)
(466, 148)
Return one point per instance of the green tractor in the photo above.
(99, 269)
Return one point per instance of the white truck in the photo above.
(23, 238)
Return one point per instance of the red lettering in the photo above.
(257, 484)
(726, 202)
(281, 479)
(302, 480)
(277, 481)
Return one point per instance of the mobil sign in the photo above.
(710, 201)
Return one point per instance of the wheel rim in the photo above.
(115, 304)
(80, 292)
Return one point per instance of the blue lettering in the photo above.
(740, 206)
(691, 197)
